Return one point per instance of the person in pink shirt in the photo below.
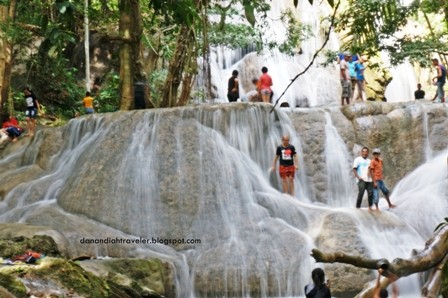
(264, 85)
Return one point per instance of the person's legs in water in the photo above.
(369, 187)
(376, 196)
(291, 185)
(361, 190)
(385, 191)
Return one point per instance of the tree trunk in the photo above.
(7, 14)
(434, 255)
(130, 31)
(177, 66)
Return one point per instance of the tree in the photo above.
(130, 31)
(196, 33)
(372, 26)
(432, 257)
(7, 16)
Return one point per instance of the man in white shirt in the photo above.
(362, 171)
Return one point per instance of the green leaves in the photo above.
(181, 11)
(370, 26)
(249, 11)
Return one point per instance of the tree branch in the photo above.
(333, 19)
(435, 254)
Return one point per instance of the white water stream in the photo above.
(203, 173)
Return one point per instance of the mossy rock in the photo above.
(19, 245)
(71, 276)
(12, 285)
(146, 277)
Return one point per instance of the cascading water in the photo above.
(316, 87)
(339, 177)
(428, 150)
(403, 84)
(202, 172)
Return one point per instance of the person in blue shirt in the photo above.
(351, 68)
(360, 81)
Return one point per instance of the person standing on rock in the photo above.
(233, 92)
(87, 101)
(318, 288)
(361, 169)
(440, 80)
(264, 85)
(345, 79)
(360, 80)
(288, 164)
(32, 108)
(376, 165)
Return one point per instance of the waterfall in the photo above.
(316, 87)
(423, 195)
(340, 180)
(202, 172)
(428, 150)
(403, 84)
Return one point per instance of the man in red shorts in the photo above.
(288, 164)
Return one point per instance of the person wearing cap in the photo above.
(361, 169)
(376, 166)
(345, 79)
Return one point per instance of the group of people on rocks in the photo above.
(352, 74)
(262, 91)
(369, 173)
(439, 80)
(11, 128)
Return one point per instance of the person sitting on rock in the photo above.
(10, 121)
(10, 134)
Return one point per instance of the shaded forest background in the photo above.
(160, 46)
